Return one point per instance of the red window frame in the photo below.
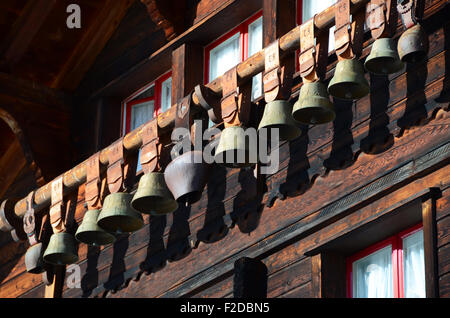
(128, 103)
(243, 42)
(396, 241)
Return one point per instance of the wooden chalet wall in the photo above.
(379, 168)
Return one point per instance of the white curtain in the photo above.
(311, 7)
(166, 94)
(140, 114)
(372, 275)
(255, 43)
(414, 266)
(223, 57)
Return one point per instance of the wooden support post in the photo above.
(278, 19)
(328, 275)
(55, 289)
(430, 247)
(187, 70)
(250, 278)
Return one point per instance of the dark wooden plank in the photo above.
(444, 286)
(295, 275)
(23, 32)
(443, 231)
(279, 17)
(303, 291)
(444, 259)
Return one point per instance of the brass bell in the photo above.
(278, 114)
(117, 215)
(33, 259)
(153, 196)
(413, 44)
(186, 176)
(233, 150)
(383, 58)
(313, 105)
(348, 81)
(61, 250)
(90, 233)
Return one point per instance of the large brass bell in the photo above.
(153, 196)
(278, 114)
(313, 105)
(186, 176)
(61, 250)
(118, 216)
(33, 259)
(383, 58)
(233, 150)
(90, 233)
(348, 81)
(413, 44)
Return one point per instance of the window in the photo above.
(394, 267)
(233, 48)
(145, 104)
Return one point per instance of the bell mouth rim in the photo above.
(414, 57)
(111, 238)
(333, 88)
(170, 204)
(293, 131)
(68, 259)
(395, 66)
(223, 155)
(138, 223)
(328, 115)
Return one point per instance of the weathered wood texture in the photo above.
(378, 155)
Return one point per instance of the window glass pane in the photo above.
(372, 275)
(140, 114)
(311, 7)
(223, 57)
(255, 43)
(166, 93)
(414, 266)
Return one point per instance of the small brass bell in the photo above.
(153, 196)
(278, 114)
(233, 150)
(33, 259)
(90, 233)
(313, 105)
(348, 81)
(61, 250)
(186, 176)
(413, 44)
(383, 58)
(117, 215)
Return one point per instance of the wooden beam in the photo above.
(430, 247)
(91, 44)
(250, 278)
(55, 289)
(23, 32)
(168, 15)
(187, 70)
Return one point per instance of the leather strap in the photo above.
(407, 11)
(313, 56)
(235, 103)
(277, 78)
(29, 220)
(114, 172)
(348, 36)
(56, 207)
(210, 101)
(93, 182)
(151, 147)
(378, 14)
